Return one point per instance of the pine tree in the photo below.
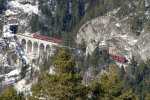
(129, 95)
(64, 63)
(11, 94)
(65, 84)
(147, 97)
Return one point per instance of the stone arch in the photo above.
(35, 48)
(23, 42)
(41, 48)
(29, 46)
(48, 48)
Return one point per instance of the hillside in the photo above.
(103, 51)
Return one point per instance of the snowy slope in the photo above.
(17, 67)
(10, 43)
(27, 8)
(117, 34)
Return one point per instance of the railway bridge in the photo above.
(36, 46)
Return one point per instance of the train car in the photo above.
(46, 38)
(120, 59)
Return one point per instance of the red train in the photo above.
(46, 38)
(120, 59)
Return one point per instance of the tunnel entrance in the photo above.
(14, 28)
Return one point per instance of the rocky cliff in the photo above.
(15, 64)
(117, 34)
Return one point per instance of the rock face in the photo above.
(15, 65)
(118, 36)
(19, 14)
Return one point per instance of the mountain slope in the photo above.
(127, 35)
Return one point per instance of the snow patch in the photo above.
(51, 70)
(129, 39)
(9, 12)
(14, 72)
(9, 78)
(23, 87)
(118, 25)
(28, 8)
(121, 64)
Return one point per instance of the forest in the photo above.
(131, 83)
(119, 83)
(70, 15)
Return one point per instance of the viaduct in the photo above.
(36, 46)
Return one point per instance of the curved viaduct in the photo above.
(36, 46)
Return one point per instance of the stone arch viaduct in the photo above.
(36, 46)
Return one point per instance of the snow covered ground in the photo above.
(23, 87)
(17, 14)
(27, 8)
(13, 77)
(9, 12)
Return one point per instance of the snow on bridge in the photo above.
(36, 46)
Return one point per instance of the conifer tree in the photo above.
(11, 94)
(65, 84)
